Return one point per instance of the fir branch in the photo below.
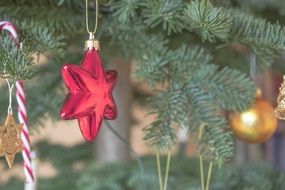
(167, 13)
(125, 10)
(63, 19)
(39, 38)
(204, 105)
(150, 179)
(152, 61)
(45, 40)
(232, 89)
(160, 136)
(266, 39)
(185, 61)
(152, 71)
(196, 95)
(170, 104)
(263, 5)
(207, 21)
(217, 144)
(178, 106)
(104, 180)
(192, 56)
(15, 63)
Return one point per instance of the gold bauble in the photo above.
(255, 125)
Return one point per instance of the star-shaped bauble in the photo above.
(10, 139)
(89, 98)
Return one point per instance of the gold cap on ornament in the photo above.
(280, 108)
(92, 43)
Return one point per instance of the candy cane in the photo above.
(4, 25)
(22, 113)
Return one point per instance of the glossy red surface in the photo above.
(89, 98)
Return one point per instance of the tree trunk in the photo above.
(109, 148)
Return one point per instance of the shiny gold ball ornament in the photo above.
(280, 108)
(255, 125)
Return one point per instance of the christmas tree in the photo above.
(192, 54)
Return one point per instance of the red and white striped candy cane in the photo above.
(22, 113)
(8, 26)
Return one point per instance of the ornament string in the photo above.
(167, 170)
(124, 141)
(87, 18)
(163, 185)
(209, 175)
(201, 161)
(159, 170)
(10, 87)
(203, 186)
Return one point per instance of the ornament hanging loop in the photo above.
(91, 43)
(87, 18)
(10, 86)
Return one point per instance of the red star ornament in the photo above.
(89, 98)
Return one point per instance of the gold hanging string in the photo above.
(159, 170)
(201, 161)
(167, 170)
(87, 18)
(209, 176)
(203, 186)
